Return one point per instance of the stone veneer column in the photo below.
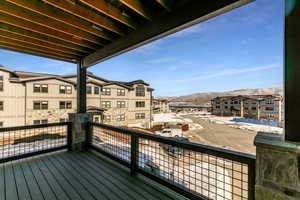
(277, 168)
(79, 130)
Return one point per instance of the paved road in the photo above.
(223, 136)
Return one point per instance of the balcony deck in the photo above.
(69, 175)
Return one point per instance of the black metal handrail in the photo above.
(26, 141)
(234, 158)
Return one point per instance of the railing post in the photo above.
(134, 154)
(251, 180)
(69, 136)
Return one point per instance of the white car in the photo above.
(170, 132)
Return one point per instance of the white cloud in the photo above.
(229, 72)
(161, 60)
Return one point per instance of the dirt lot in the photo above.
(222, 136)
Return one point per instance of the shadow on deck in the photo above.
(69, 175)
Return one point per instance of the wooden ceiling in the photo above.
(94, 30)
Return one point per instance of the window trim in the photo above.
(140, 93)
(106, 91)
(123, 93)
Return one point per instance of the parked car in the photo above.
(167, 132)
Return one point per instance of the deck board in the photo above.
(120, 189)
(2, 183)
(56, 186)
(20, 182)
(71, 176)
(10, 186)
(32, 185)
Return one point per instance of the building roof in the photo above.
(251, 97)
(92, 31)
(22, 77)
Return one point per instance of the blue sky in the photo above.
(240, 49)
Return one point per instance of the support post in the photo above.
(79, 137)
(292, 70)
(81, 88)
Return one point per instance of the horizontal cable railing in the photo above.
(24, 141)
(194, 170)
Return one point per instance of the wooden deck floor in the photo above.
(72, 176)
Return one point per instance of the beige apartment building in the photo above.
(160, 105)
(34, 98)
(260, 107)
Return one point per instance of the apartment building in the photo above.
(35, 98)
(260, 107)
(160, 105)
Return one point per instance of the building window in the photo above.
(1, 124)
(43, 121)
(65, 89)
(106, 118)
(88, 89)
(120, 104)
(140, 104)
(226, 102)
(106, 104)
(40, 105)
(217, 106)
(269, 101)
(96, 119)
(106, 91)
(69, 89)
(1, 83)
(253, 108)
(269, 108)
(139, 115)
(1, 106)
(62, 89)
(121, 117)
(226, 107)
(236, 102)
(38, 88)
(120, 92)
(140, 91)
(96, 90)
(65, 105)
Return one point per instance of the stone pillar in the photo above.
(79, 130)
(277, 168)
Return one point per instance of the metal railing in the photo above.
(25, 141)
(193, 170)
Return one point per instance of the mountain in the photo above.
(204, 98)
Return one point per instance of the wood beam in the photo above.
(43, 38)
(167, 4)
(138, 7)
(59, 15)
(41, 20)
(42, 44)
(180, 18)
(34, 47)
(108, 9)
(43, 30)
(87, 14)
(36, 53)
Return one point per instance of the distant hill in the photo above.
(204, 98)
